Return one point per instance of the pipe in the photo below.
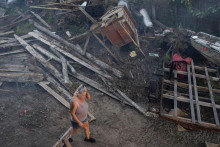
(146, 18)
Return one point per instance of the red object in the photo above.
(180, 64)
(25, 111)
(205, 49)
(21, 114)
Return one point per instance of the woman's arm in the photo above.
(88, 97)
(74, 106)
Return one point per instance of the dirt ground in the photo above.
(46, 120)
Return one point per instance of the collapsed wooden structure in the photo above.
(187, 94)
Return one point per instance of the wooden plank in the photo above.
(7, 33)
(54, 94)
(80, 36)
(11, 40)
(175, 94)
(102, 43)
(212, 97)
(190, 94)
(64, 66)
(52, 56)
(60, 143)
(187, 100)
(86, 45)
(41, 59)
(21, 77)
(140, 109)
(41, 20)
(12, 52)
(87, 15)
(196, 75)
(196, 93)
(184, 85)
(92, 58)
(38, 36)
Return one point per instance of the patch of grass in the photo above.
(177, 135)
(24, 28)
(49, 18)
(77, 29)
(167, 58)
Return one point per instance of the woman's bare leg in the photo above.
(86, 129)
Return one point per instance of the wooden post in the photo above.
(175, 93)
(87, 15)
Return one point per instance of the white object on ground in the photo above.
(146, 18)
(68, 33)
(84, 3)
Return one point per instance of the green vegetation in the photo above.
(167, 58)
(77, 29)
(200, 13)
(24, 28)
(49, 18)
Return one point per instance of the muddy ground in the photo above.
(46, 120)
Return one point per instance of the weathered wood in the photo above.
(102, 43)
(140, 109)
(41, 20)
(159, 24)
(86, 45)
(7, 33)
(77, 49)
(52, 56)
(11, 40)
(175, 94)
(7, 45)
(14, 24)
(44, 8)
(60, 143)
(37, 36)
(190, 94)
(41, 59)
(96, 85)
(196, 93)
(80, 36)
(13, 68)
(21, 77)
(12, 52)
(196, 75)
(187, 100)
(212, 97)
(87, 15)
(64, 66)
(184, 85)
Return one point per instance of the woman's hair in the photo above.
(80, 89)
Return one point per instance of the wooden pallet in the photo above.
(185, 92)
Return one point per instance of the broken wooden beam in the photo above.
(52, 56)
(67, 134)
(41, 20)
(21, 77)
(77, 49)
(39, 37)
(86, 45)
(64, 66)
(12, 52)
(87, 15)
(41, 59)
(7, 33)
